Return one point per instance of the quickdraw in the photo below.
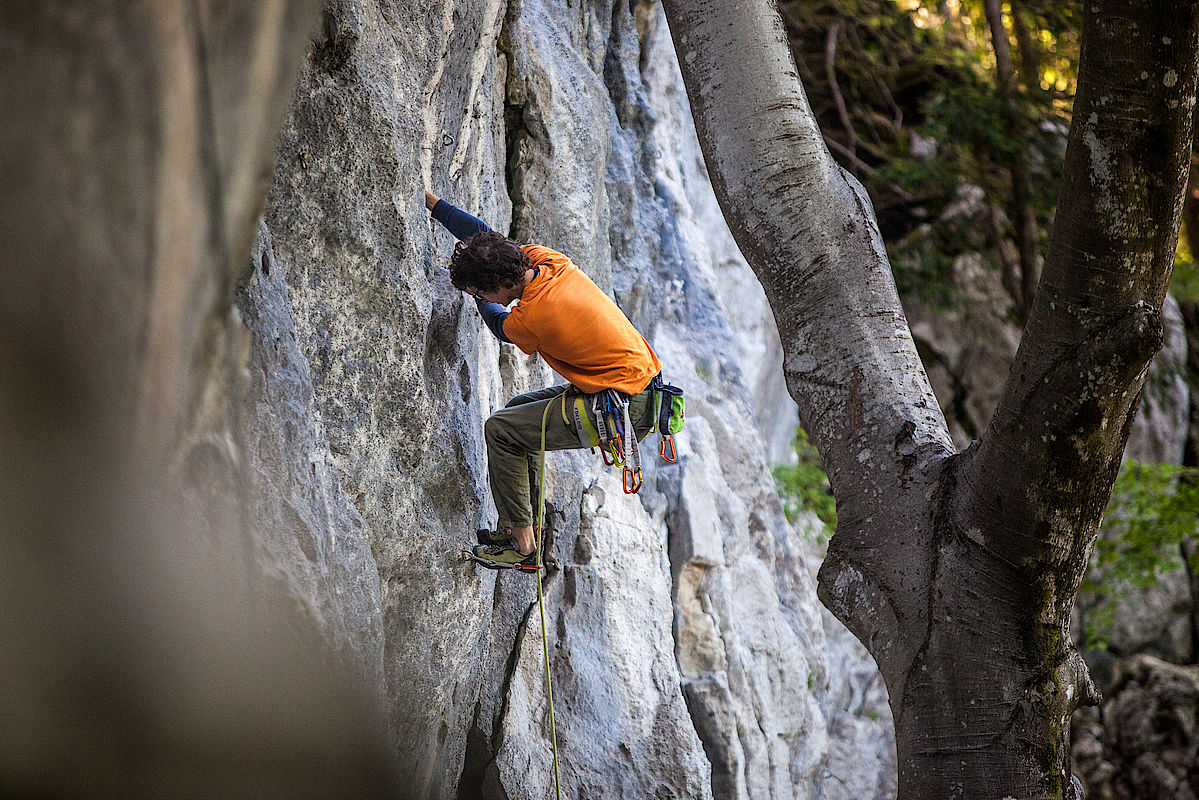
(632, 480)
(667, 439)
(613, 431)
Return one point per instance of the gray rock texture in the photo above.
(967, 341)
(312, 543)
(1146, 741)
(1159, 432)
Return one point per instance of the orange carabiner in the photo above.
(674, 456)
(632, 480)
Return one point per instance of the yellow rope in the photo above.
(545, 650)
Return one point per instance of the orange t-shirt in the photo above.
(578, 330)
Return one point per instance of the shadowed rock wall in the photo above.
(146, 648)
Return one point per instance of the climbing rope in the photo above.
(545, 649)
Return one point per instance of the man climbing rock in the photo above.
(582, 335)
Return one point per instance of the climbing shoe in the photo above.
(494, 537)
(504, 556)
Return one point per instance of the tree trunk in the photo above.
(1030, 51)
(1023, 218)
(958, 571)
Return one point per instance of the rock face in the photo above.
(968, 341)
(1146, 743)
(689, 654)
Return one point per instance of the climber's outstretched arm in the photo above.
(456, 221)
(464, 226)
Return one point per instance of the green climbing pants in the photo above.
(513, 436)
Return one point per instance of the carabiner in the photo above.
(617, 445)
(632, 480)
(604, 454)
(674, 456)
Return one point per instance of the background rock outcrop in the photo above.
(1146, 743)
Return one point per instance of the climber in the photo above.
(582, 335)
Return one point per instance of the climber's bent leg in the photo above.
(513, 436)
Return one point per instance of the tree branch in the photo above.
(1063, 419)
(1023, 219)
(850, 156)
(850, 361)
(830, 72)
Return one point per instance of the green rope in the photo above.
(545, 650)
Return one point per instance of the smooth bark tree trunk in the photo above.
(958, 571)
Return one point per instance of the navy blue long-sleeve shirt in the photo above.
(464, 226)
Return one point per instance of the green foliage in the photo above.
(923, 71)
(805, 487)
(1154, 508)
(923, 268)
(1184, 280)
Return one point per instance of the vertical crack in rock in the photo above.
(515, 131)
(491, 785)
(479, 756)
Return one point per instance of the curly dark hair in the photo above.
(488, 261)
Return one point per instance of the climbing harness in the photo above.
(614, 434)
(613, 431)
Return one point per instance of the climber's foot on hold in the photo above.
(493, 537)
(504, 556)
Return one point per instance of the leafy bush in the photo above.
(1184, 281)
(1154, 508)
(805, 487)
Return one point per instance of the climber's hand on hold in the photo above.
(430, 200)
